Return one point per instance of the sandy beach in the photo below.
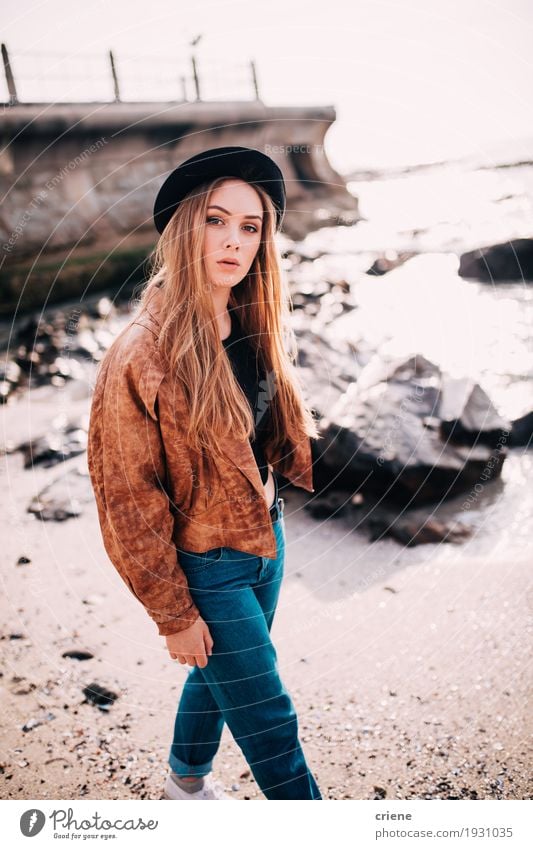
(410, 684)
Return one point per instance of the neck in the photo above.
(220, 298)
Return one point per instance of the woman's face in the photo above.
(232, 232)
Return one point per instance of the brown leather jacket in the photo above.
(153, 493)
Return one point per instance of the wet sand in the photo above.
(414, 685)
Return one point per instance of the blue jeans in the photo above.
(236, 594)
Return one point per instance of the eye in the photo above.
(253, 228)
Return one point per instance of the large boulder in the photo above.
(386, 434)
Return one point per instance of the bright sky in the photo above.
(411, 80)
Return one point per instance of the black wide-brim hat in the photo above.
(245, 162)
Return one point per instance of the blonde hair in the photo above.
(190, 343)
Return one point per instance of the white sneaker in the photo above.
(212, 789)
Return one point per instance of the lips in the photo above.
(229, 263)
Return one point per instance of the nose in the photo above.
(232, 238)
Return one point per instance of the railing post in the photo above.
(10, 80)
(254, 78)
(115, 77)
(195, 77)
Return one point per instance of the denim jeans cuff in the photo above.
(182, 769)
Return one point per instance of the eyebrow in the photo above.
(229, 213)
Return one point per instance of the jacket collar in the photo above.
(296, 466)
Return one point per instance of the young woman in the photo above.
(196, 406)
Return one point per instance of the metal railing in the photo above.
(121, 78)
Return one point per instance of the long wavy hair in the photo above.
(189, 340)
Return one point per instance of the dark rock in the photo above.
(67, 440)
(63, 498)
(467, 415)
(22, 560)
(383, 436)
(330, 506)
(78, 655)
(99, 696)
(410, 532)
(389, 261)
(496, 263)
(31, 723)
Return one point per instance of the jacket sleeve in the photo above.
(126, 462)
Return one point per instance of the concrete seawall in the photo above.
(79, 180)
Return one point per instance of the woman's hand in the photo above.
(191, 646)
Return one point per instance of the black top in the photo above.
(252, 379)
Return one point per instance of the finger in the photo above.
(181, 658)
(208, 643)
(201, 660)
(191, 660)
